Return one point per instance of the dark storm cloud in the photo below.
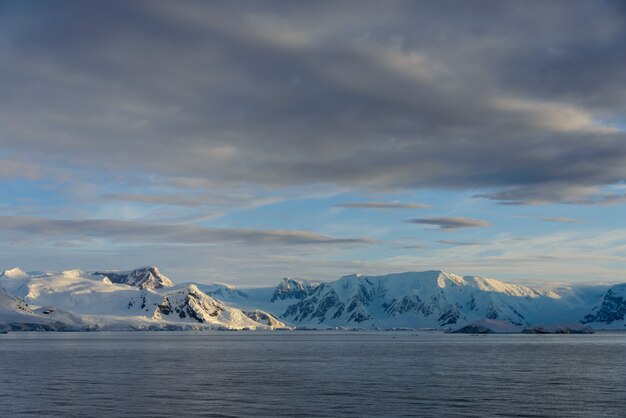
(449, 223)
(383, 205)
(141, 232)
(522, 100)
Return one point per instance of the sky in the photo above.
(242, 142)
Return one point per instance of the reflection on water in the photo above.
(311, 374)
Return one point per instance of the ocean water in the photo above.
(304, 373)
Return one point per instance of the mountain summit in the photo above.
(143, 278)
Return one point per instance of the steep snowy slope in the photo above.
(15, 314)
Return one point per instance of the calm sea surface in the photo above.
(136, 374)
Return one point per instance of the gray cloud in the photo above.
(562, 193)
(521, 101)
(450, 223)
(142, 232)
(457, 243)
(383, 205)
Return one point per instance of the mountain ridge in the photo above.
(144, 298)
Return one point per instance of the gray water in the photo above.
(311, 374)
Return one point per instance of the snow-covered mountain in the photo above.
(426, 299)
(146, 299)
(138, 299)
(610, 312)
(431, 299)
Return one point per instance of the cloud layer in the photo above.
(222, 137)
(142, 232)
(520, 102)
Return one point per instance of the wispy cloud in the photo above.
(561, 219)
(415, 247)
(384, 205)
(194, 200)
(135, 231)
(452, 242)
(450, 223)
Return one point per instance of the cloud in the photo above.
(561, 193)
(415, 247)
(142, 232)
(561, 219)
(452, 242)
(193, 200)
(514, 103)
(570, 255)
(383, 205)
(450, 223)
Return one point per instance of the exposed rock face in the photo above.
(142, 278)
(290, 288)
(189, 302)
(611, 309)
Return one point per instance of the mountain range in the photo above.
(145, 299)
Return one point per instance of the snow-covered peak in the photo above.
(14, 273)
(612, 308)
(143, 278)
(292, 288)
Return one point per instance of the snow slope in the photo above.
(15, 314)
